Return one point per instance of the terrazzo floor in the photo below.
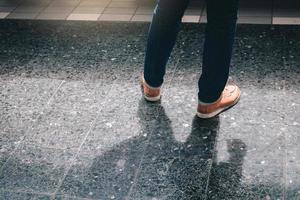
(74, 125)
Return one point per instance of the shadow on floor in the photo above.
(166, 168)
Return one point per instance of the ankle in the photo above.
(202, 103)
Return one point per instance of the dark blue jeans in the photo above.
(219, 38)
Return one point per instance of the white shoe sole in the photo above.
(213, 114)
(152, 99)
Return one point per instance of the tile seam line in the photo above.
(75, 7)
(201, 13)
(22, 141)
(137, 173)
(272, 12)
(100, 107)
(14, 8)
(43, 9)
(134, 13)
(104, 8)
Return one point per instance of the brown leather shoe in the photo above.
(230, 97)
(150, 93)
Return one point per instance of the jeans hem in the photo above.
(205, 103)
(151, 87)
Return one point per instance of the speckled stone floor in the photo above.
(74, 125)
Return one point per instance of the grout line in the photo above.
(272, 12)
(103, 11)
(70, 13)
(15, 8)
(42, 10)
(134, 13)
(55, 92)
(202, 12)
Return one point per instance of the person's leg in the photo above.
(162, 34)
(219, 38)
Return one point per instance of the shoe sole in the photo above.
(219, 111)
(152, 99)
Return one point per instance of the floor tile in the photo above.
(142, 18)
(88, 10)
(289, 8)
(12, 3)
(244, 175)
(29, 9)
(119, 11)
(84, 17)
(203, 19)
(18, 114)
(35, 169)
(6, 9)
(136, 149)
(144, 11)
(57, 129)
(191, 18)
(58, 10)
(106, 175)
(22, 15)
(63, 120)
(114, 17)
(255, 9)
(122, 4)
(64, 3)
(254, 20)
(175, 169)
(32, 6)
(53, 16)
(3, 14)
(193, 12)
(108, 160)
(94, 3)
(286, 20)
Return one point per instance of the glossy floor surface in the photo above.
(250, 12)
(74, 125)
